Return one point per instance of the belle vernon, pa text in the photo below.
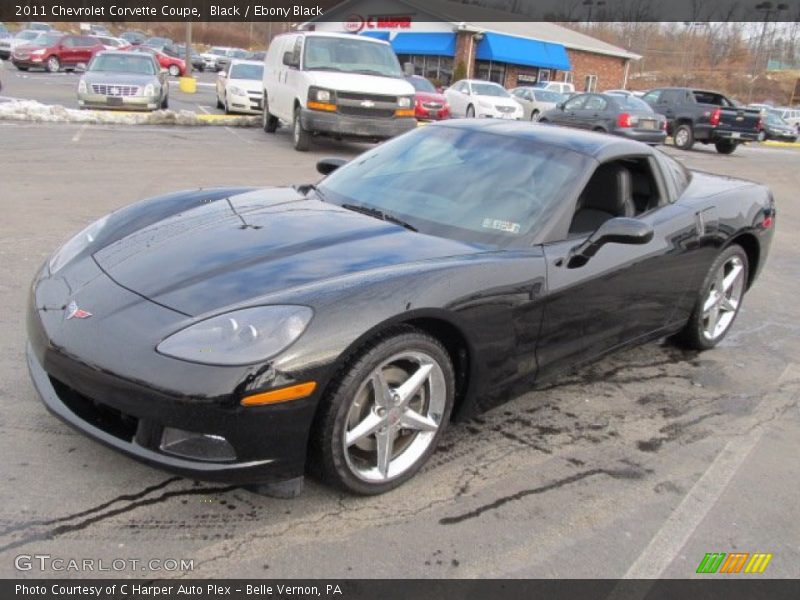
(156, 591)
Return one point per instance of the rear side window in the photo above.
(711, 98)
(671, 97)
(678, 175)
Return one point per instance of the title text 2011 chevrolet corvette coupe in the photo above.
(246, 335)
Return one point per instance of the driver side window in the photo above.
(575, 103)
(624, 187)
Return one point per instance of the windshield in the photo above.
(544, 96)
(422, 85)
(490, 89)
(351, 56)
(508, 186)
(774, 118)
(247, 72)
(123, 63)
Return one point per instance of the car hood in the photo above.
(431, 97)
(27, 47)
(238, 249)
(251, 85)
(498, 101)
(364, 84)
(118, 78)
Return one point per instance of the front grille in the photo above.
(356, 97)
(432, 105)
(505, 109)
(358, 111)
(104, 417)
(107, 89)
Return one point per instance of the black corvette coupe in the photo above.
(249, 335)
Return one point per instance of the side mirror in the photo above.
(621, 230)
(80, 68)
(326, 166)
(288, 59)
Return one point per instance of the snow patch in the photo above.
(31, 110)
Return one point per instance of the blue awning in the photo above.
(378, 35)
(521, 51)
(429, 44)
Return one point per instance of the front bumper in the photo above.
(29, 62)
(119, 102)
(361, 127)
(126, 395)
(252, 105)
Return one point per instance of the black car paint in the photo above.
(510, 318)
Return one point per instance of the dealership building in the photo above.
(512, 53)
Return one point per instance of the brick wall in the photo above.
(610, 70)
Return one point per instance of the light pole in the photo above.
(768, 8)
(590, 4)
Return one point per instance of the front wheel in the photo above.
(725, 147)
(268, 122)
(535, 115)
(165, 102)
(53, 64)
(300, 136)
(386, 414)
(174, 70)
(470, 112)
(719, 301)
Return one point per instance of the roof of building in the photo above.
(478, 18)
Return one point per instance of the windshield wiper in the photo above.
(379, 214)
(310, 187)
(374, 72)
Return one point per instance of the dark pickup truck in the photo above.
(707, 117)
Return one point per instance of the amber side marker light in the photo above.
(404, 112)
(293, 392)
(322, 106)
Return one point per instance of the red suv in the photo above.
(56, 51)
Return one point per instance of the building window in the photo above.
(491, 71)
(590, 83)
(567, 78)
(439, 69)
(544, 75)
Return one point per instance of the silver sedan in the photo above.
(534, 101)
(125, 81)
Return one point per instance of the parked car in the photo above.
(695, 115)
(534, 101)
(158, 42)
(98, 30)
(174, 65)
(179, 51)
(113, 43)
(335, 84)
(555, 86)
(233, 53)
(134, 37)
(4, 32)
(429, 104)
(239, 87)
(626, 116)
(124, 80)
(37, 26)
(790, 115)
(776, 128)
(343, 325)
(259, 55)
(472, 98)
(21, 38)
(212, 55)
(55, 51)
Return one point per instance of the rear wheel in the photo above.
(684, 137)
(535, 115)
(719, 301)
(386, 413)
(470, 112)
(300, 136)
(725, 147)
(174, 70)
(53, 64)
(268, 122)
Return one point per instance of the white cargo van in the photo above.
(341, 85)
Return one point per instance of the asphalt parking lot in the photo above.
(636, 466)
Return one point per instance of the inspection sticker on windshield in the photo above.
(507, 226)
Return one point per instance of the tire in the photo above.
(165, 103)
(725, 147)
(683, 137)
(700, 332)
(53, 64)
(225, 106)
(174, 70)
(300, 137)
(220, 105)
(470, 112)
(19, 68)
(351, 402)
(599, 130)
(535, 115)
(268, 122)
(543, 120)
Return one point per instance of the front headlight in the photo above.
(237, 91)
(149, 90)
(76, 245)
(82, 89)
(405, 101)
(240, 337)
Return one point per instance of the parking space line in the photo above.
(684, 520)
(238, 135)
(203, 108)
(79, 133)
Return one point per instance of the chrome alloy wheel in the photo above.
(394, 416)
(724, 296)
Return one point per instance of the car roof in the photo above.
(600, 146)
(332, 34)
